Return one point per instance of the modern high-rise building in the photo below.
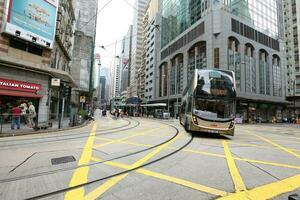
(102, 95)
(85, 12)
(135, 86)
(126, 60)
(150, 48)
(245, 36)
(292, 35)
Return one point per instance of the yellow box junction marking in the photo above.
(221, 156)
(258, 146)
(80, 175)
(236, 177)
(277, 145)
(113, 181)
(126, 138)
(267, 191)
(178, 181)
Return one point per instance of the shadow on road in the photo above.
(205, 135)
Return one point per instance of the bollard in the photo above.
(1, 123)
(294, 197)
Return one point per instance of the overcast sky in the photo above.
(112, 25)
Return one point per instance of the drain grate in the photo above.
(61, 160)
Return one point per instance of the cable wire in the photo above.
(95, 15)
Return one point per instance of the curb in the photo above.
(2, 135)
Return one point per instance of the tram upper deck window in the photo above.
(214, 83)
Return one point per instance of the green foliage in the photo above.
(83, 113)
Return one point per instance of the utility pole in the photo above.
(168, 87)
(295, 99)
(91, 86)
(176, 90)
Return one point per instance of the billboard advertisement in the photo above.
(32, 20)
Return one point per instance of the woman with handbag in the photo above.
(31, 115)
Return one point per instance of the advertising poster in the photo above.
(33, 18)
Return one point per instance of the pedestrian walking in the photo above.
(31, 115)
(25, 112)
(16, 117)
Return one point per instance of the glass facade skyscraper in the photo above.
(245, 36)
(263, 14)
(179, 15)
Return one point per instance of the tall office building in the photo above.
(292, 34)
(239, 35)
(102, 90)
(150, 48)
(85, 10)
(126, 60)
(135, 86)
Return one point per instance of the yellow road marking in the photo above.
(258, 146)
(183, 182)
(80, 175)
(222, 156)
(267, 163)
(286, 141)
(267, 191)
(126, 138)
(236, 177)
(278, 146)
(113, 181)
(175, 180)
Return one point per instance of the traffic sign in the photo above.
(82, 99)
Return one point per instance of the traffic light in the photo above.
(65, 90)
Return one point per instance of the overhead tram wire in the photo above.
(118, 41)
(132, 6)
(96, 15)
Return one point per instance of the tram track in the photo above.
(119, 173)
(67, 137)
(103, 162)
(88, 165)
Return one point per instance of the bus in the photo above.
(209, 102)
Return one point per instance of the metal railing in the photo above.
(41, 121)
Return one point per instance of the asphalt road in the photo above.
(139, 158)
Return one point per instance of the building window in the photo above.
(250, 69)
(216, 57)
(234, 60)
(24, 46)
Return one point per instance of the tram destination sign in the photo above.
(19, 85)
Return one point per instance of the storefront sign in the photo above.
(19, 85)
(55, 82)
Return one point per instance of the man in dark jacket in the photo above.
(16, 115)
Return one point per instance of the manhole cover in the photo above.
(61, 160)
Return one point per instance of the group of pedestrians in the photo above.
(24, 111)
(120, 113)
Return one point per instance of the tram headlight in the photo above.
(231, 124)
(195, 120)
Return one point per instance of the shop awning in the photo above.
(155, 105)
(19, 94)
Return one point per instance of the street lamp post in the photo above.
(295, 99)
(176, 90)
(168, 87)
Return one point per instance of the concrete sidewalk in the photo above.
(25, 130)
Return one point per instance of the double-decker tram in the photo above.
(209, 102)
